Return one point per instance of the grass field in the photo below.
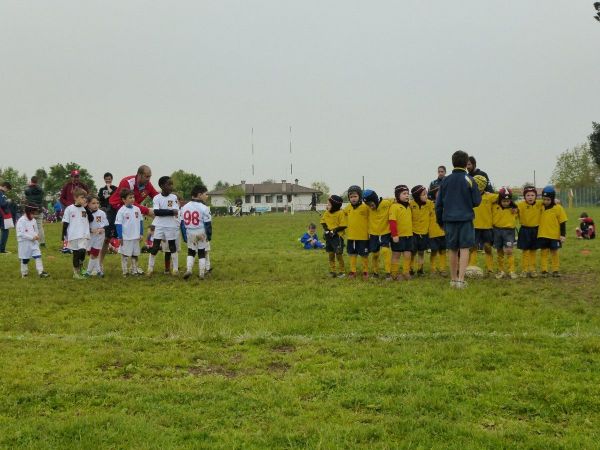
(271, 353)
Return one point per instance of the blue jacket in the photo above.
(5, 206)
(306, 238)
(457, 197)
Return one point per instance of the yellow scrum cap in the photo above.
(481, 182)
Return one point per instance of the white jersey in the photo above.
(169, 202)
(131, 221)
(194, 214)
(79, 226)
(26, 230)
(97, 229)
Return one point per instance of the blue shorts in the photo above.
(360, 248)
(405, 244)
(504, 238)
(459, 235)
(527, 239)
(420, 242)
(438, 243)
(335, 245)
(552, 244)
(483, 237)
(376, 242)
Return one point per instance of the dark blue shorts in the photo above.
(360, 248)
(420, 242)
(504, 238)
(459, 235)
(405, 244)
(438, 243)
(552, 244)
(527, 239)
(483, 237)
(376, 242)
(335, 245)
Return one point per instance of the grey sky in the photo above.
(385, 89)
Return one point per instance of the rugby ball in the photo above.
(474, 272)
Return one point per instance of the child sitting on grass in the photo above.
(587, 229)
(310, 240)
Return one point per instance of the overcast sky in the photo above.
(385, 89)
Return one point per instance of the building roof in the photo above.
(269, 188)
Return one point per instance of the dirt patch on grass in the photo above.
(284, 348)
(212, 369)
(278, 367)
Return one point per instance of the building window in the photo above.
(289, 198)
(257, 199)
(248, 198)
(268, 199)
(280, 199)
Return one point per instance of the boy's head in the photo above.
(481, 182)
(583, 215)
(79, 195)
(166, 185)
(530, 194)
(419, 194)
(108, 177)
(471, 164)
(127, 196)
(505, 197)
(401, 193)
(334, 203)
(30, 210)
(441, 172)
(548, 195)
(370, 198)
(5, 186)
(460, 159)
(34, 180)
(200, 192)
(354, 195)
(93, 202)
(312, 228)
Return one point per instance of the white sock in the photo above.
(175, 261)
(190, 263)
(124, 263)
(207, 260)
(38, 265)
(151, 262)
(91, 265)
(134, 264)
(202, 266)
(24, 269)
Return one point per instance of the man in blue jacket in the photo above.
(457, 197)
(5, 208)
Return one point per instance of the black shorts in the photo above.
(459, 235)
(405, 244)
(437, 244)
(360, 248)
(420, 242)
(552, 244)
(376, 242)
(527, 239)
(111, 229)
(335, 245)
(504, 238)
(483, 236)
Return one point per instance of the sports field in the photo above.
(270, 352)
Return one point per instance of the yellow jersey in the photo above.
(529, 215)
(403, 217)
(334, 220)
(358, 222)
(483, 213)
(550, 221)
(435, 230)
(421, 216)
(379, 218)
(503, 217)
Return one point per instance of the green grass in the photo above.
(270, 352)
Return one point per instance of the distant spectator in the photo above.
(34, 195)
(435, 184)
(106, 191)
(473, 170)
(66, 194)
(5, 209)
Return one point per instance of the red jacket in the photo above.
(129, 183)
(66, 194)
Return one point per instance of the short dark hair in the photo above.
(92, 197)
(125, 193)
(198, 189)
(78, 192)
(473, 161)
(34, 179)
(311, 226)
(442, 167)
(108, 174)
(459, 159)
(7, 185)
(163, 180)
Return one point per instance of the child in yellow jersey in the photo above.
(401, 231)
(530, 211)
(379, 232)
(437, 241)
(484, 236)
(504, 220)
(552, 232)
(421, 209)
(357, 214)
(334, 223)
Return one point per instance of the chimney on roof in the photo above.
(283, 185)
(296, 181)
(243, 183)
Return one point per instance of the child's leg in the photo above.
(174, 255)
(190, 260)
(394, 266)
(375, 262)
(386, 254)
(124, 262)
(168, 262)
(454, 264)
(433, 257)
(134, 264)
(525, 261)
(531, 259)
(442, 262)
(208, 260)
(510, 257)
(24, 267)
(153, 252)
(353, 259)
(201, 262)
(39, 266)
(473, 256)
(365, 263)
(463, 262)
(420, 260)
(555, 260)
(500, 254)
(331, 256)
(544, 259)
(406, 266)
(340, 260)
(489, 257)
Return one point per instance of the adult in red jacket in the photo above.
(142, 189)
(66, 193)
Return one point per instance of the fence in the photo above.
(589, 196)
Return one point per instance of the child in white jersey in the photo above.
(76, 231)
(196, 228)
(166, 223)
(97, 235)
(130, 231)
(28, 242)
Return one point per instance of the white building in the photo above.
(268, 196)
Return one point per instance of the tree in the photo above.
(221, 185)
(60, 174)
(594, 140)
(183, 182)
(576, 168)
(322, 187)
(17, 180)
(41, 175)
(233, 194)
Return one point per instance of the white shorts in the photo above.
(130, 247)
(196, 240)
(29, 249)
(96, 241)
(166, 234)
(78, 244)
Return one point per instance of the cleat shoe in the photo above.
(460, 285)
(187, 274)
(388, 277)
(500, 275)
(407, 276)
(365, 276)
(375, 275)
(125, 275)
(175, 273)
(24, 275)
(201, 276)
(489, 274)
(44, 274)
(544, 274)
(341, 275)
(167, 272)
(556, 274)
(453, 283)
(140, 271)
(533, 274)
(524, 274)
(77, 276)
(443, 273)
(412, 272)
(513, 276)
(420, 273)
(100, 274)
(352, 275)
(331, 274)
